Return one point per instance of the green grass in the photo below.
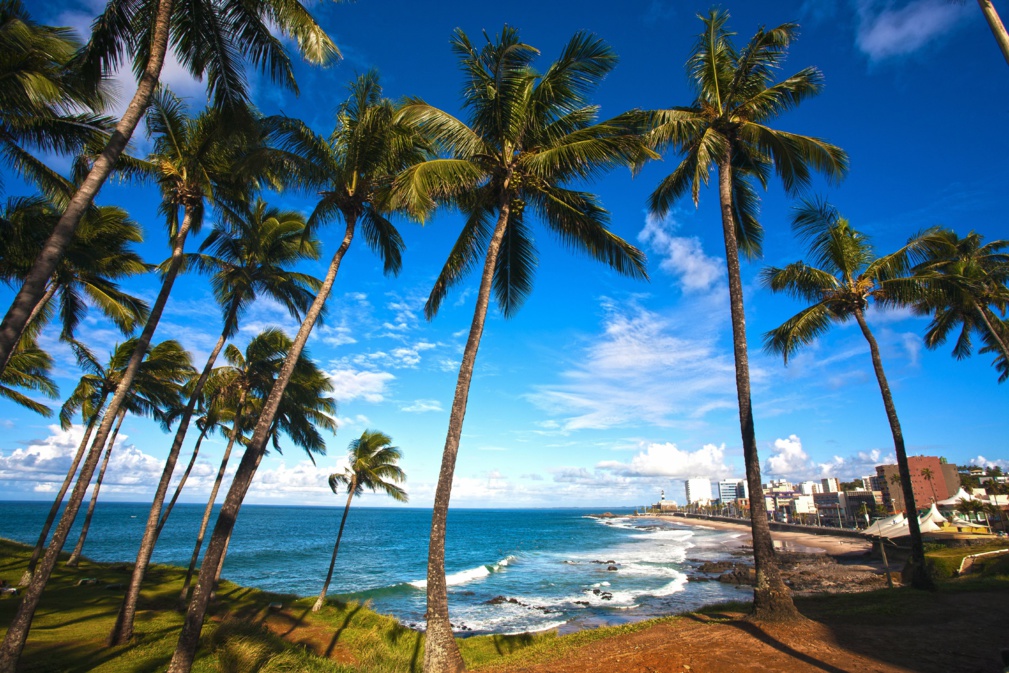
(944, 562)
(72, 622)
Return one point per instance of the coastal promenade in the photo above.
(774, 525)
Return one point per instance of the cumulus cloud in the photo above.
(981, 461)
(667, 460)
(302, 479)
(681, 257)
(351, 384)
(789, 458)
(421, 406)
(886, 31)
(644, 368)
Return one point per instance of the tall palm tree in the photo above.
(191, 157)
(252, 252)
(98, 256)
(727, 128)
(928, 475)
(354, 171)
(45, 106)
(529, 136)
(965, 286)
(844, 277)
(995, 24)
(212, 38)
(157, 391)
(247, 376)
(372, 465)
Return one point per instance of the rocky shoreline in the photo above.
(804, 573)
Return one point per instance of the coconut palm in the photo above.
(995, 24)
(928, 475)
(965, 287)
(529, 136)
(157, 391)
(727, 128)
(191, 157)
(844, 278)
(45, 106)
(371, 465)
(305, 406)
(98, 256)
(354, 170)
(212, 38)
(252, 251)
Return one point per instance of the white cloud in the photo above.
(350, 384)
(645, 368)
(885, 31)
(666, 460)
(789, 458)
(981, 461)
(421, 406)
(682, 257)
(302, 479)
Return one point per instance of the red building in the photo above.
(930, 480)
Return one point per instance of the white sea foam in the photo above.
(470, 574)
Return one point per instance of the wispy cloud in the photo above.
(681, 257)
(422, 406)
(885, 31)
(351, 384)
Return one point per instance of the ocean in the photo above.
(509, 571)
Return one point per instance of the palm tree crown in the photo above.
(373, 466)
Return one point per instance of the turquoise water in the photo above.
(555, 564)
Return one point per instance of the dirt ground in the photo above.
(963, 634)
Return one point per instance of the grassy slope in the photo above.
(73, 621)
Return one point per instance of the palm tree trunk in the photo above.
(54, 510)
(771, 598)
(208, 510)
(332, 562)
(52, 251)
(76, 554)
(441, 652)
(185, 650)
(919, 573)
(122, 631)
(50, 291)
(997, 29)
(17, 633)
(182, 482)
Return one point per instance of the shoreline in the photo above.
(837, 547)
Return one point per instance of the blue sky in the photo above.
(602, 390)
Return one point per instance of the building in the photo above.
(931, 480)
(729, 490)
(860, 506)
(810, 487)
(830, 484)
(872, 483)
(698, 491)
(830, 509)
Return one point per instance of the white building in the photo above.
(698, 491)
(831, 485)
(810, 487)
(729, 490)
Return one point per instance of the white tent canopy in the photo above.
(878, 526)
(955, 500)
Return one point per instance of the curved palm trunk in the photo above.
(17, 634)
(991, 331)
(441, 653)
(122, 631)
(52, 251)
(50, 291)
(919, 573)
(208, 510)
(75, 556)
(54, 510)
(185, 650)
(771, 598)
(997, 29)
(321, 600)
(182, 482)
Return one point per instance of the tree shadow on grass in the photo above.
(339, 631)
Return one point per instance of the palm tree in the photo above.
(372, 465)
(191, 157)
(156, 391)
(99, 255)
(928, 475)
(214, 38)
(252, 251)
(726, 127)
(995, 24)
(46, 106)
(357, 163)
(28, 369)
(248, 375)
(847, 275)
(964, 285)
(529, 136)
